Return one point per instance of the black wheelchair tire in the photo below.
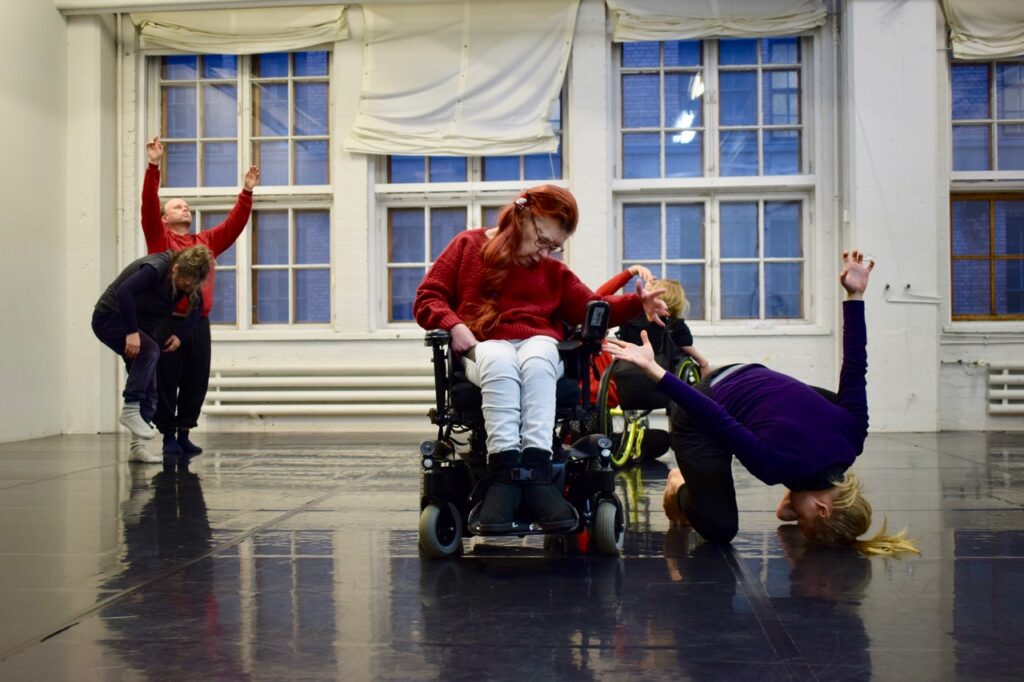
(689, 371)
(440, 531)
(606, 423)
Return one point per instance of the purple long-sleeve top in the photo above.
(782, 430)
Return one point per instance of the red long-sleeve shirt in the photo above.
(534, 300)
(159, 237)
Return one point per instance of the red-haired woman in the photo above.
(504, 300)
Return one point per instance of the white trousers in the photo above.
(517, 381)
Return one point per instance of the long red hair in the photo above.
(543, 201)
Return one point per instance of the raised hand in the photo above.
(641, 356)
(154, 150)
(654, 307)
(251, 178)
(855, 274)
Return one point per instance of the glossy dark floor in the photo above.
(289, 556)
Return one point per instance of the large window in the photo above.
(427, 200)
(988, 116)
(219, 114)
(713, 145)
(988, 257)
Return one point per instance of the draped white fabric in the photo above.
(985, 29)
(640, 20)
(462, 78)
(243, 31)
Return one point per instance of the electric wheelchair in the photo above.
(626, 397)
(454, 465)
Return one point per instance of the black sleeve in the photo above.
(145, 278)
(681, 334)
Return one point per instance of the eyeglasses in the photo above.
(542, 242)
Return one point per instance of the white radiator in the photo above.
(320, 390)
(1006, 389)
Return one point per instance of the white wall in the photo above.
(33, 118)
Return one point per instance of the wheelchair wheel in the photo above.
(609, 528)
(440, 531)
(612, 422)
(689, 371)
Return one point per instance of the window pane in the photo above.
(180, 161)
(407, 169)
(780, 51)
(405, 235)
(312, 296)
(740, 295)
(311, 162)
(684, 231)
(782, 229)
(782, 290)
(270, 65)
(682, 53)
(640, 54)
(312, 237)
(220, 66)
(210, 220)
(543, 166)
(739, 152)
(1010, 90)
(402, 285)
(970, 91)
(272, 158)
(178, 67)
(445, 223)
(640, 158)
(270, 237)
(971, 287)
(220, 164)
(271, 108)
(970, 228)
(738, 98)
(641, 101)
(971, 148)
(781, 152)
(311, 63)
(270, 289)
(311, 108)
(1009, 287)
(739, 230)
(682, 110)
(781, 98)
(447, 169)
(220, 115)
(224, 297)
(684, 157)
(1011, 147)
(737, 51)
(1009, 230)
(692, 279)
(491, 215)
(179, 112)
(641, 232)
(501, 168)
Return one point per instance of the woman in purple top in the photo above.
(781, 430)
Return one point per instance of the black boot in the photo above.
(548, 509)
(498, 510)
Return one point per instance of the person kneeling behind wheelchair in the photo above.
(503, 300)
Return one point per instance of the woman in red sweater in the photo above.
(504, 301)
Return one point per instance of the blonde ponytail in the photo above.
(851, 518)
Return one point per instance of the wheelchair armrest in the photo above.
(569, 345)
(437, 338)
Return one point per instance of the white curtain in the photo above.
(641, 20)
(462, 78)
(985, 29)
(243, 31)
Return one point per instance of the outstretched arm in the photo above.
(152, 220)
(220, 238)
(852, 394)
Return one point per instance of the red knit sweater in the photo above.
(219, 239)
(534, 301)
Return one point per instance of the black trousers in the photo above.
(182, 377)
(709, 497)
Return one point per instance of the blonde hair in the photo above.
(851, 518)
(674, 297)
(195, 262)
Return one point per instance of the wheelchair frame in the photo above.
(454, 473)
